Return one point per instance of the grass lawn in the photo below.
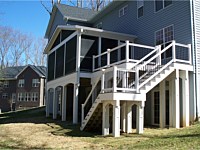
(31, 130)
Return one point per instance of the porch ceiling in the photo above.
(89, 31)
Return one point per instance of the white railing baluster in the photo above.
(108, 57)
(114, 78)
(127, 51)
(174, 51)
(189, 53)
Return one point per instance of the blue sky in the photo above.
(26, 16)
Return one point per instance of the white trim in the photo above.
(123, 12)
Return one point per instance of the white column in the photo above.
(128, 117)
(105, 119)
(162, 104)
(171, 91)
(55, 105)
(116, 118)
(185, 96)
(42, 92)
(99, 51)
(47, 102)
(75, 105)
(64, 104)
(140, 118)
(176, 103)
(123, 117)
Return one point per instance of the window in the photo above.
(160, 4)
(20, 96)
(99, 25)
(164, 35)
(21, 83)
(123, 11)
(35, 82)
(28, 97)
(34, 96)
(6, 84)
(140, 8)
(5, 95)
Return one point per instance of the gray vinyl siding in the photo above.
(177, 14)
(197, 49)
(58, 20)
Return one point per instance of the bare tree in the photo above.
(5, 43)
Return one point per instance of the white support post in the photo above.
(75, 104)
(103, 80)
(128, 117)
(176, 109)
(55, 105)
(185, 96)
(171, 91)
(190, 53)
(159, 51)
(108, 57)
(116, 118)
(140, 118)
(162, 104)
(47, 103)
(127, 51)
(99, 51)
(114, 79)
(64, 104)
(105, 119)
(123, 117)
(174, 51)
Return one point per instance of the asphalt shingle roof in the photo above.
(12, 72)
(76, 12)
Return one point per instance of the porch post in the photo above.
(176, 103)
(55, 105)
(116, 118)
(99, 51)
(171, 91)
(105, 119)
(75, 104)
(162, 104)
(185, 96)
(64, 104)
(47, 102)
(128, 117)
(140, 118)
(123, 117)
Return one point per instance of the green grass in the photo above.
(31, 129)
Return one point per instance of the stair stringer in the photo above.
(157, 79)
(90, 113)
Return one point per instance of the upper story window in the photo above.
(21, 83)
(4, 95)
(160, 4)
(6, 84)
(99, 25)
(140, 8)
(123, 11)
(165, 35)
(35, 82)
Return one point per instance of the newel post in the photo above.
(114, 79)
(173, 51)
(93, 63)
(108, 57)
(103, 81)
(137, 80)
(189, 53)
(127, 51)
(82, 118)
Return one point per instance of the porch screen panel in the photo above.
(60, 61)
(89, 47)
(57, 41)
(65, 34)
(70, 57)
(108, 44)
(51, 62)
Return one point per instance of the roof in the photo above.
(76, 13)
(88, 31)
(13, 72)
(80, 14)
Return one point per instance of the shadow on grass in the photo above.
(37, 116)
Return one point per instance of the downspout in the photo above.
(194, 48)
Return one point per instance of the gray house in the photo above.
(132, 64)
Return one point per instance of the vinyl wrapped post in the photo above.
(114, 78)
(137, 80)
(127, 51)
(103, 80)
(93, 63)
(82, 118)
(173, 51)
(189, 53)
(108, 57)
